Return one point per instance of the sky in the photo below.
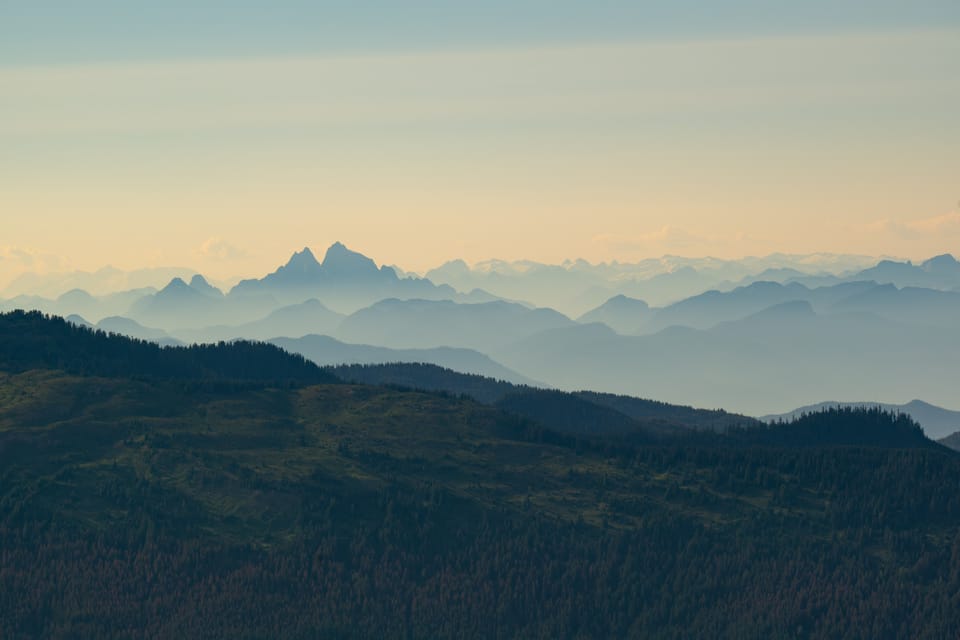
(222, 136)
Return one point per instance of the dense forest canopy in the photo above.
(32, 340)
(133, 505)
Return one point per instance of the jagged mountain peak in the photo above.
(339, 251)
(341, 261)
(199, 283)
(302, 261)
(178, 289)
(175, 284)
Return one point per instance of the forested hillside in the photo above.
(149, 508)
(32, 340)
(580, 412)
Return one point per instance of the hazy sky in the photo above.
(226, 136)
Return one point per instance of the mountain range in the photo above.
(912, 305)
(758, 347)
(345, 281)
(327, 351)
(576, 286)
(755, 365)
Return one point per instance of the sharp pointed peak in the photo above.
(304, 255)
(338, 248)
(302, 261)
(338, 256)
(199, 283)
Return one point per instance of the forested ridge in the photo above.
(610, 414)
(32, 340)
(144, 507)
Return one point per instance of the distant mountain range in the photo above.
(101, 282)
(575, 287)
(345, 281)
(296, 320)
(126, 327)
(923, 307)
(327, 351)
(406, 324)
(755, 365)
(621, 313)
(758, 347)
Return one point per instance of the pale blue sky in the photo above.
(423, 131)
(46, 31)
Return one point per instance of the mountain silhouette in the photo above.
(177, 305)
(776, 358)
(133, 329)
(621, 313)
(345, 281)
(292, 321)
(430, 323)
(943, 264)
(939, 272)
(340, 262)
(199, 283)
(327, 351)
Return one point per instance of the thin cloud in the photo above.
(602, 80)
(666, 237)
(19, 261)
(219, 249)
(24, 259)
(947, 224)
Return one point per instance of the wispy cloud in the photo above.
(15, 261)
(947, 224)
(219, 249)
(26, 259)
(606, 80)
(666, 238)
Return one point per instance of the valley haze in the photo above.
(757, 335)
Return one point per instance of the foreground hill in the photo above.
(150, 507)
(30, 340)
